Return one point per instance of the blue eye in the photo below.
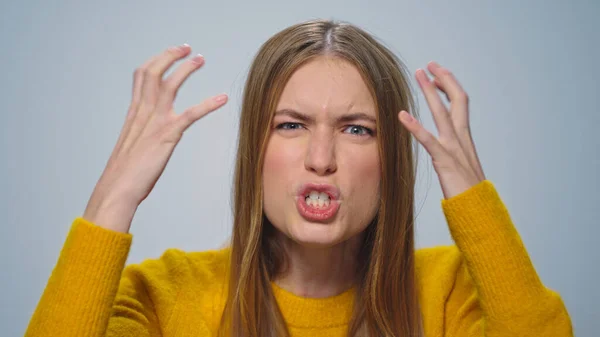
(357, 130)
(288, 126)
(360, 130)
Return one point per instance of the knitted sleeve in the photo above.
(86, 296)
(496, 291)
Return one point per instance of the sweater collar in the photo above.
(302, 312)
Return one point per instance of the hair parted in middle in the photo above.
(386, 300)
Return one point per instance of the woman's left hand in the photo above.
(453, 153)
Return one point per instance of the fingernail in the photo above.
(422, 76)
(221, 98)
(434, 64)
(183, 47)
(198, 59)
(406, 116)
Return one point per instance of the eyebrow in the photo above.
(342, 119)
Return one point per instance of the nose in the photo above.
(320, 155)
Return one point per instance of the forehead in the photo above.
(327, 84)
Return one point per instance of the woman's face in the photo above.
(323, 134)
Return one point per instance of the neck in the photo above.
(319, 272)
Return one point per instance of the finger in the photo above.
(136, 94)
(138, 80)
(153, 75)
(440, 87)
(459, 111)
(440, 114)
(429, 142)
(457, 96)
(194, 113)
(172, 83)
(151, 80)
(435, 149)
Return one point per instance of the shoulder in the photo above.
(437, 253)
(176, 265)
(177, 272)
(437, 260)
(444, 284)
(211, 264)
(438, 271)
(182, 288)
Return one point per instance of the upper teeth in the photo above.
(316, 199)
(314, 195)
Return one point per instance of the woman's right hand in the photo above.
(150, 133)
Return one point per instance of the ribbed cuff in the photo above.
(91, 250)
(478, 214)
(84, 283)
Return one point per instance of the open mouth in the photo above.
(317, 206)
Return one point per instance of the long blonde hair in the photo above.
(386, 301)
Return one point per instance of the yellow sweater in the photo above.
(486, 285)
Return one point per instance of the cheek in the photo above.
(280, 167)
(279, 163)
(364, 169)
(364, 178)
(371, 166)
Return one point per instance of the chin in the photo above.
(312, 234)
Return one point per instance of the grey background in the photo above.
(530, 68)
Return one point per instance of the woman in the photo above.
(322, 240)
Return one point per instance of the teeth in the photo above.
(317, 199)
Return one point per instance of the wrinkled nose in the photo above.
(320, 155)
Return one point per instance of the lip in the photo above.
(318, 214)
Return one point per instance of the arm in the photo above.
(497, 291)
(511, 298)
(78, 299)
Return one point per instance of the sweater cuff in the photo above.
(89, 245)
(477, 214)
(84, 282)
(92, 258)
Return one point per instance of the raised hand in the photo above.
(151, 131)
(453, 153)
